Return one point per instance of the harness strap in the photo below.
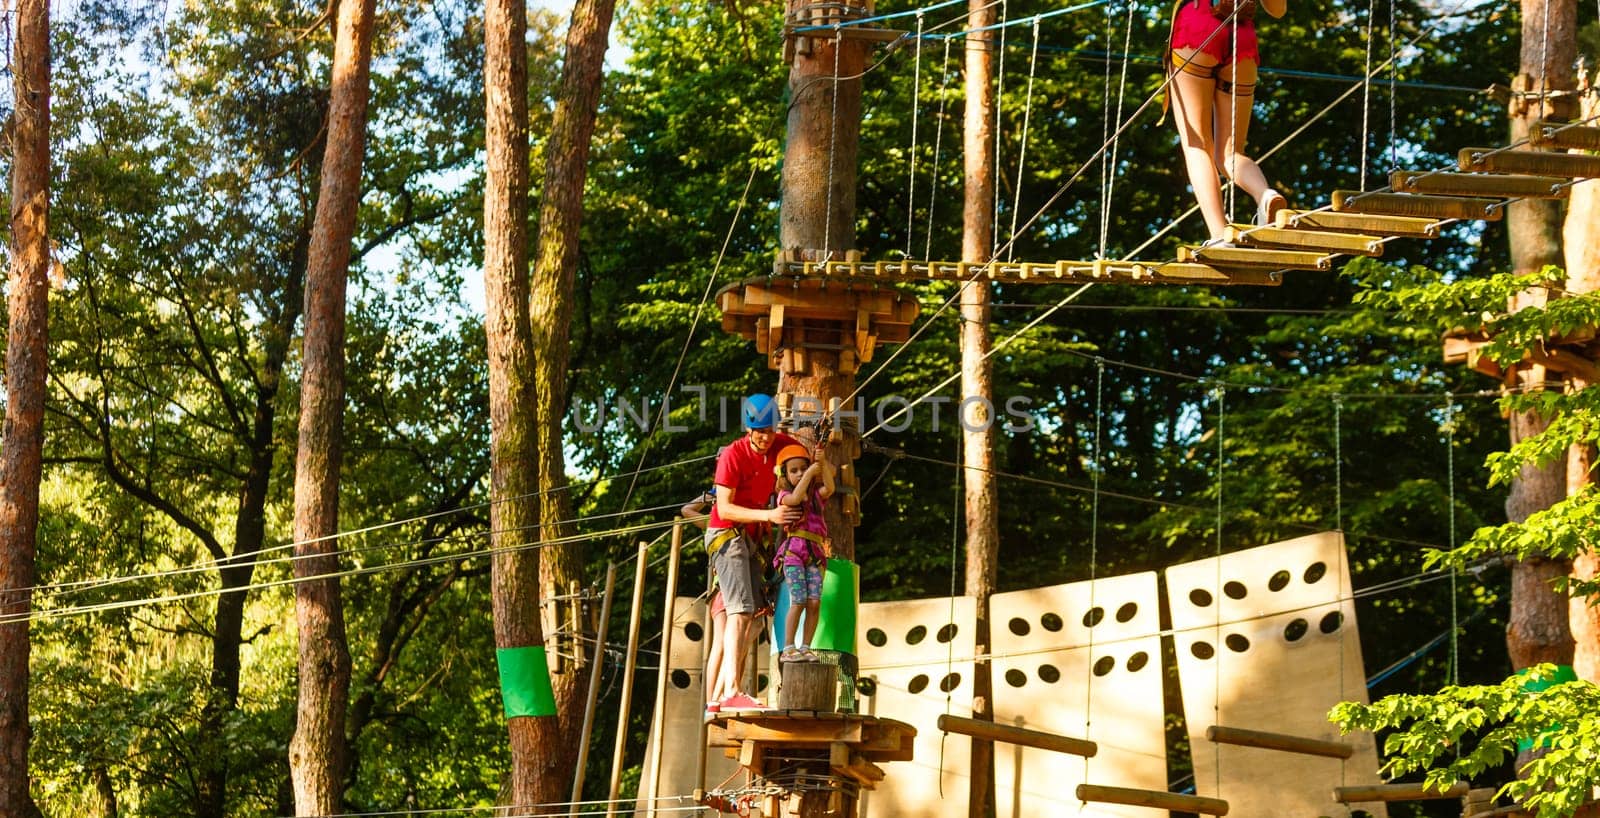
(1239, 89)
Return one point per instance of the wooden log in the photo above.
(1278, 741)
(1328, 221)
(1312, 240)
(1255, 259)
(1487, 160)
(1488, 185)
(1397, 792)
(1152, 798)
(1406, 204)
(808, 686)
(1017, 735)
(1560, 135)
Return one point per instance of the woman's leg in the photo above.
(1192, 100)
(1232, 129)
(713, 685)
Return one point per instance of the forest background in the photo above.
(187, 139)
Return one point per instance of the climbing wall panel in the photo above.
(1266, 640)
(1065, 651)
(685, 709)
(920, 653)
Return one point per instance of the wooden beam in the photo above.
(1017, 735)
(1405, 204)
(1488, 160)
(795, 732)
(1278, 741)
(1397, 792)
(1486, 185)
(1543, 134)
(1306, 240)
(1255, 258)
(1152, 798)
(1329, 221)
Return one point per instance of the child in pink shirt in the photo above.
(803, 548)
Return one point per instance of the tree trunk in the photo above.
(513, 444)
(317, 753)
(560, 222)
(977, 380)
(22, 443)
(1581, 238)
(1539, 631)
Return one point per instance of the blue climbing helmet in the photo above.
(759, 412)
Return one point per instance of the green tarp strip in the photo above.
(1562, 674)
(525, 682)
(841, 591)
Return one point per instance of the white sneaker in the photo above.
(1267, 209)
(1218, 244)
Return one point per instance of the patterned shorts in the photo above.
(804, 581)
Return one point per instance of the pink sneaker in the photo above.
(740, 701)
(713, 707)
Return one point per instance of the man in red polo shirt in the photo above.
(740, 521)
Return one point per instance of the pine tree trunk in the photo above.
(513, 442)
(1539, 630)
(560, 222)
(26, 364)
(317, 753)
(1581, 238)
(977, 380)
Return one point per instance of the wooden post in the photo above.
(595, 667)
(629, 662)
(809, 686)
(657, 724)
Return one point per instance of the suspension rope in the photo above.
(1221, 396)
(1366, 96)
(938, 141)
(1111, 183)
(1022, 153)
(1094, 548)
(916, 107)
(1105, 134)
(833, 142)
(1394, 74)
(956, 516)
(999, 131)
(1450, 482)
(1338, 465)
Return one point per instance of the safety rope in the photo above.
(1394, 76)
(1094, 551)
(833, 142)
(916, 107)
(938, 142)
(1022, 153)
(1221, 396)
(999, 117)
(956, 516)
(1116, 143)
(1338, 465)
(1366, 95)
(1450, 482)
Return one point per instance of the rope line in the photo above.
(1022, 154)
(916, 108)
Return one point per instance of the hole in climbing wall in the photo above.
(1049, 674)
(1234, 589)
(1127, 611)
(680, 679)
(1237, 643)
(1315, 572)
(1296, 630)
(1202, 650)
(917, 684)
(1094, 616)
(867, 686)
(761, 682)
(1104, 665)
(762, 638)
(877, 638)
(916, 635)
(1016, 678)
(1200, 597)
(946, 633)
(1331, 622)
(1137, 661)
(1051, 622)
(950, 682)
(1279, 581)
(1019, 626)
(693, 631)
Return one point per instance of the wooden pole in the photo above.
(658, 723)
(1397, 792)
(628, 664)
(1278, 741)
(595, 667)
(1152, 798)
(990, 731)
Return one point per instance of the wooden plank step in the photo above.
(1152, 798)
(993, 731)
(1571, 165)
(1330, 222)
(1278, 741)
(1312, 240)
(1561, 135)
(1255, 259)
(1397, 792)
(1406, 204)
(1486, 185)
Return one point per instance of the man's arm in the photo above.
(732, 512)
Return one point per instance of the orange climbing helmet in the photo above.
(788, 453)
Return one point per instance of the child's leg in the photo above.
(1232, 129)
(813, 601)
(713, 685)
(794, 576)
(1192, 99)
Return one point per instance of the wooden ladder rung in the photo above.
(1017, 735)
(1397, 792)
(1560, 135)
(1488, 185)
(881, 35)
(1331, 222)
(1185, 271)
(1157, 799)
(1487, 160)
(1407, 204)
(1278, 741)
(1308, 240)
(1255, 258)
